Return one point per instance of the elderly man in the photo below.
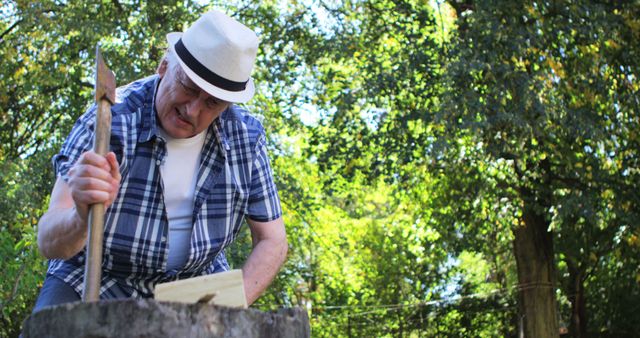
(186, 167)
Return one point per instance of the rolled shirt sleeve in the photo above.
(264, 203)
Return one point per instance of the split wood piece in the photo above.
(224, 288)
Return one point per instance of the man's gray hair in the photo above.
(172, 60)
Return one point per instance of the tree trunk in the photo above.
(533, 247)
(507, 322)
(578, 325)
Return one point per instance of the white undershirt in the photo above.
(179, 174)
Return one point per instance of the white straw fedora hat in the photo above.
(218, 53)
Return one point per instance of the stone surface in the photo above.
(150, 318)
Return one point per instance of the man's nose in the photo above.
(194, 107)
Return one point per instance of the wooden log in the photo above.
(148, 318)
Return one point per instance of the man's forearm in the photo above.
(61, 233)
(261, 267)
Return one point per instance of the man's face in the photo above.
(184, 110)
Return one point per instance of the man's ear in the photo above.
(162, 67)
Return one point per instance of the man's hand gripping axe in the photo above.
(105, 96)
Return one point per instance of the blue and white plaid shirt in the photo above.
(234, 180)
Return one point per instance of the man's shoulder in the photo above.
(239, 117)
(135, 94)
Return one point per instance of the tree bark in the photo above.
(150, 318)
(533, 248)
(578, 324)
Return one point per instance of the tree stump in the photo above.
(150, 318)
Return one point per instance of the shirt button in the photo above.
(164, 238)
(158, 162)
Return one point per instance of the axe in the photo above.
(105, 89)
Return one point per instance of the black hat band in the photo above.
(204, 72)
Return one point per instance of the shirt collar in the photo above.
(148, 110)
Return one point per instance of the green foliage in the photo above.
(434, 128)
(25, 188)
(375, 75)
(549, 97)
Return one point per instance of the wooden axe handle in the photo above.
(105, 88)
